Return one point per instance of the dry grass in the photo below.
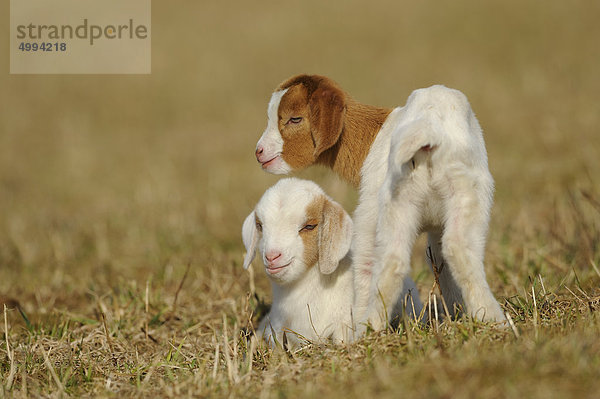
(111, 186)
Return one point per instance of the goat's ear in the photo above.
(335, 236)
(250, 238)
(327, 112)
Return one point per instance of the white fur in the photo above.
(270, 145)
(445, 191)
(307, 303)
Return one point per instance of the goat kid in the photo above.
(419, 168)
(303, 238)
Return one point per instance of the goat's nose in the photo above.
(259, 151)
(272, 256)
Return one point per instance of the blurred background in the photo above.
(127, 178)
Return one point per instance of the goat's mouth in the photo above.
(275, 270)
(270, 161)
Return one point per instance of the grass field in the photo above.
(112, 187)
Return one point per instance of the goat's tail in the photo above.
(412, 138)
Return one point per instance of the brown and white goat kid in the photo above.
(420, 167)
(303, 238)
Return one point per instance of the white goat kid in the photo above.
(303, 238)
(437, 181)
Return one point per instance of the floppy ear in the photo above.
(250, 238)
(335, 236)
(327, 111)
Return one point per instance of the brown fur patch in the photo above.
(330, 237)
(322, 243)
(339, 131)
(310, 239)
(321, 105)
(361, 125)
(327, 107)
(298, 146)
(310, 82)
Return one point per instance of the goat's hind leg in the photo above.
(439, 266)
(463, 246)
(397, 228)
(365, 226)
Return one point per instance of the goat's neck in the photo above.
(309, 287)
(361, 125)
(299, 291)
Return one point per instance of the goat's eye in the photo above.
(294, 120)
(309, 227)
(258, 226)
